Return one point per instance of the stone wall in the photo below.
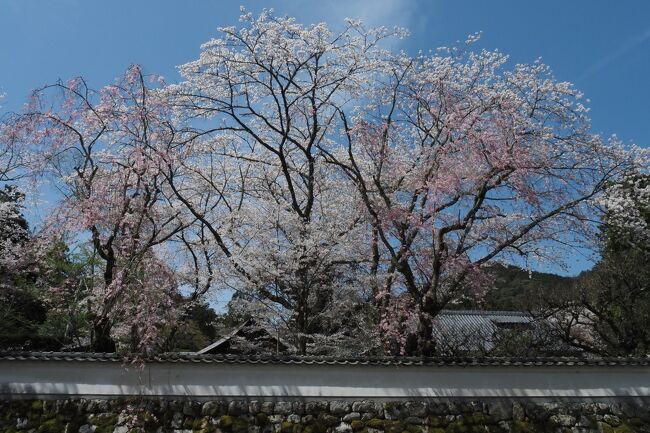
(238, 416)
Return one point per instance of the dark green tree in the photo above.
(608, 310)
(21, 310)
(39, 285)
(194, 330)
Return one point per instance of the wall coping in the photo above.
(177, 357)
(206, 377)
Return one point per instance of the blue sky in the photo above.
(601, 46)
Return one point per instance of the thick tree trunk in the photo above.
(101, 337)
(427, 346)
(101, 340)
(301, 325)
(302, 345)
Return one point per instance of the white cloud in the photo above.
(387, 13)
(626, 47)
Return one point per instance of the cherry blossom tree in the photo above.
(460, 161)
(15, 230)
(104, 152)
(10, 157)
(627, 207)
(439, 164)
(282, 220)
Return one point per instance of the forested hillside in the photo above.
(520, 289)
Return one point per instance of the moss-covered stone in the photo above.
(200, 425)
(414, 428)
(457, 426)
(480, 418)
(635, 422)
(522, 427)
(103, 419)
(213, 408)
(239, 426)
(226, 421)
(54, 425)
(606, 428)
(393, 426)
(550, 424)
(45, 416)
(315, 427)
(188, 422)
(34, 420)
(376, 423)
(105, 429)
(75, 422)
(590, 422)
(286, 427)
(37, 406)
(104, 422)
(328, 420)
(68, 408)
(261, 419)
(623, 428)
(437, 421)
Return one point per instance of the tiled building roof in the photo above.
(474, 330)
(479, 333)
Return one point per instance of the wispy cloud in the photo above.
(373, 12)
(377, 12)
(622, 50)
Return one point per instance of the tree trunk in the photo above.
(101, 337)
(301, 325)
(427, 346)
(302, 345)
(101, 340)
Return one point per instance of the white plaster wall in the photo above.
(202, 380)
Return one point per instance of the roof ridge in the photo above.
(329, 360)
(487, 312)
